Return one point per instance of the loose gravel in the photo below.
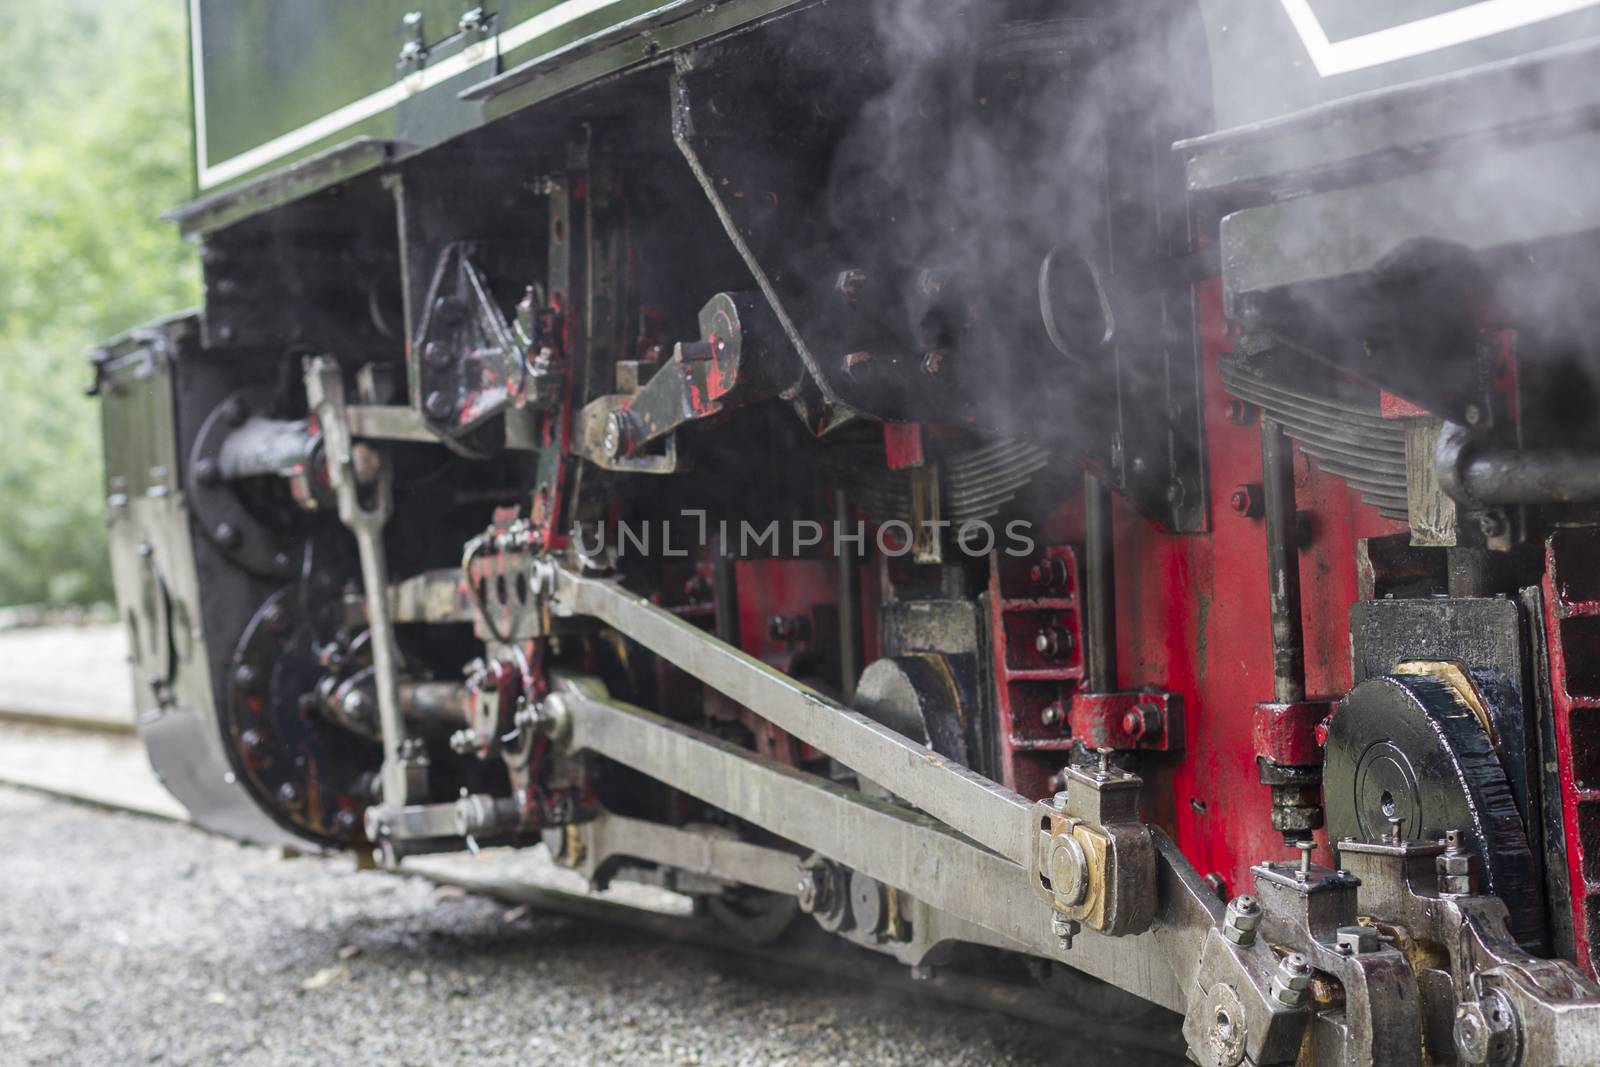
(126, 940)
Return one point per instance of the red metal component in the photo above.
(1192, 619)
(1036, 637)
(902, 445)
(1288, 734)
(789, 589)
(1572, 629)
(1148, 720)
(1398, 407)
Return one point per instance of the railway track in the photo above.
(89, 760)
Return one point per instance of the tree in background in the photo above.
(94, 145)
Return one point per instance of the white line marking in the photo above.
(1444, 30)
(377, 103)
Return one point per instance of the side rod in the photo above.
(984, 811)
(899, 847)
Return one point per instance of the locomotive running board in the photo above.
(966, 852)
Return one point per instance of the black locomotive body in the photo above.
(992, 477)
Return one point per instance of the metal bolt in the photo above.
(463, 742)
(1486, 1032)
(1454, 867)
(1059, 801)
(1305, 845)
(1355, 940)
(850, 283)
(434, 354)
(440, 406)
(1237, 411)
(227, 535)
(1050, 714)
(1064, 929)
(933, 362)
(856, 362)
(1239, 922)
(615, 441)
(206, 471)
(788, 628)
(1473, 414)
(244, 676)
(277, 619)
(1048, 573)
(1053, 642)
(809, 890)
(1290, 980)
(1142, 722)
(1177, 492)
(1247, 500)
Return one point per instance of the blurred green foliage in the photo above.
(94, 145)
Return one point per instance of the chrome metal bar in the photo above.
(983, 810)
(900, 847)
(365, 518)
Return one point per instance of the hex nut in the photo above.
(1486, 1032)
(1239, 922)
(1356, 940)
(1064, 929)
(1290, 980)
(1455, 873)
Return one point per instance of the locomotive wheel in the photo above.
(754, 916)
(1408, 755)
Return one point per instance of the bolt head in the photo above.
(1355, 940)
(440, 406)
(1290, 980)
(1064, 929)
(614, 441)
(1472, 1034)
(808, 890)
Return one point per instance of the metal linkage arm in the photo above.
(902, 848)
(364, 507)
(985, 811)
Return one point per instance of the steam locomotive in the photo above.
(1106, 485)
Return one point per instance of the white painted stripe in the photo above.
(377, 103)
(1444, 30)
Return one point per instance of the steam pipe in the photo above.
(1514, 476)
(1100, 588)
(1283, 565)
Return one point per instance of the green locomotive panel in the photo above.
(278, 80)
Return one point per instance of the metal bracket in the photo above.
(361, 482)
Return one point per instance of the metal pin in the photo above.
(1305, 845)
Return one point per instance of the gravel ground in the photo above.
(127, 940)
